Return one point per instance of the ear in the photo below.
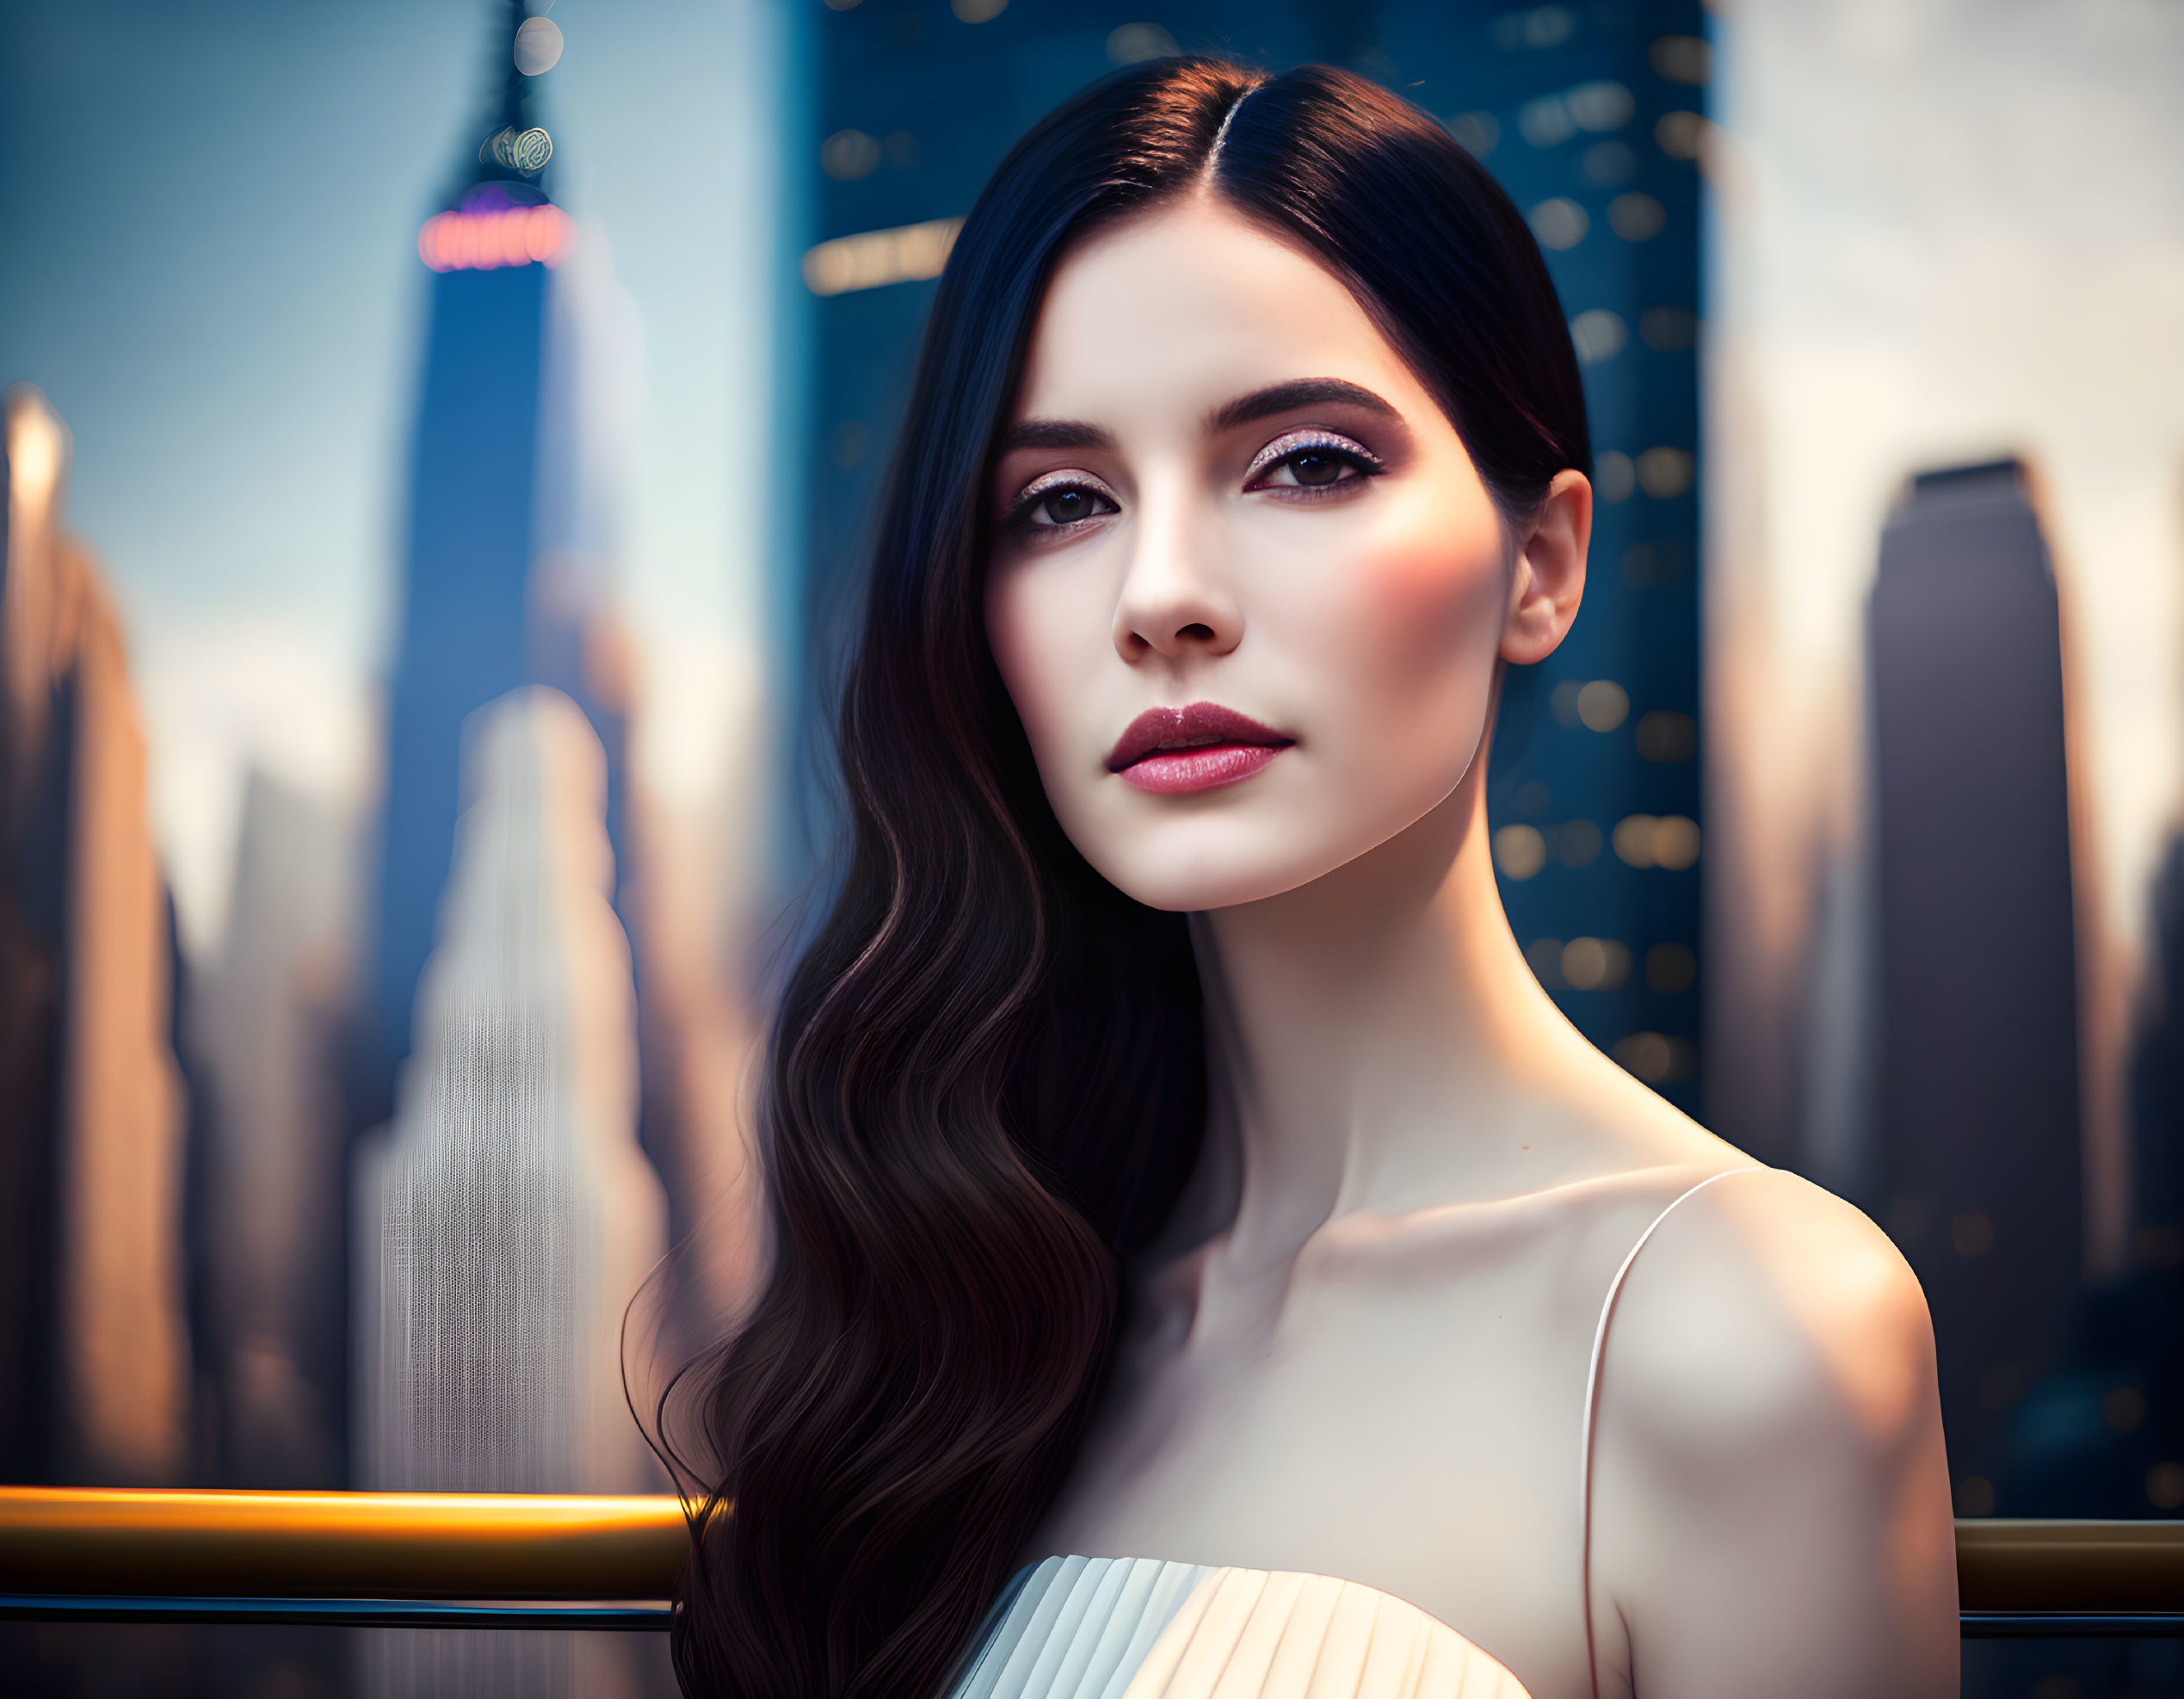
(1549, 581)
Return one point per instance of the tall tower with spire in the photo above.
(503, 1218)
(506, 537)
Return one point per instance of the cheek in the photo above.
(1420, 621)
(1037, 635)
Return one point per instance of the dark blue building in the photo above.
(484, 608)
(1590, 116)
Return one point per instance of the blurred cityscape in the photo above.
(370, 1139)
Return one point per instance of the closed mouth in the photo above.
(1228, 746)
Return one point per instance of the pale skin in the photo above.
(1363, 1351)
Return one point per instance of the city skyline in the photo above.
(236, 677)
(230, 330)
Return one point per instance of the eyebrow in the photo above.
(1287, 397)
(1054, 434)
(1260, 404)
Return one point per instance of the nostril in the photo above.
(1202, 632)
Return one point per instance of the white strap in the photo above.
(1592, 1409)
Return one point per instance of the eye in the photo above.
(1316, 468)
(1068, 506)
(1310, 460)
(1061, 500)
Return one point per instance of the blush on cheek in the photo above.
(1414, 611)
(1413, 633)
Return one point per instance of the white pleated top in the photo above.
(1130, 1627)
(1142, 1628)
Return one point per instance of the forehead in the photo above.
(1191, 305)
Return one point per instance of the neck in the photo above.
(1375, 1040)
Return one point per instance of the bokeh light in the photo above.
(1598, 335)
(1519, 852)
(1133, 43)
(847, 155)
(487, 240)
(1636, 217)
(1478, 132)
(1560, 223)
(537, 46)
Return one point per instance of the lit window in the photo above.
(875, 258)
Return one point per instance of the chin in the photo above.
(1229, 855)
(1193, 889)
(1183, 869)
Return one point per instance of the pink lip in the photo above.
(1172, 751)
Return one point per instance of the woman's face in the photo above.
(1247, 589)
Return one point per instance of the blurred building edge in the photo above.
(264, 1027)
(1978, 1157)
(2146, 1308)
(2157, 1088)
(699, 1041)
(93, 1360)
(506, 1219)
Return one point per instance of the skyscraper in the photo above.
(269, 1238)
(1589, 117)
(1978, 975)
(503, 552)
(506, 1219)
(93, 1352)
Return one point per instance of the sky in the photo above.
(208, 217)
(1945, 231)
(1959, 231)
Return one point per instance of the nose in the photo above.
(1169, 604)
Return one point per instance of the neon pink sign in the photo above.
(485, 241)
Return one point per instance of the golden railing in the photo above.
(391, 1559)
(506, 1560)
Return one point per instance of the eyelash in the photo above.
(1045, 489)
(1294, 444)
(1288, 447)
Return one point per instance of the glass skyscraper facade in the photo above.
(1591, 116)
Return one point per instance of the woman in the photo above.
(1182, 1198)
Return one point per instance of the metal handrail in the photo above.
(92, 1541)
(2048, 1567)
(504, 1559)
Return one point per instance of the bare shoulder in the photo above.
(1764, 1312)
(1770, 1499)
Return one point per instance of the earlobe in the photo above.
(1548, 582)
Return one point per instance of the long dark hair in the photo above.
(988, 1083)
